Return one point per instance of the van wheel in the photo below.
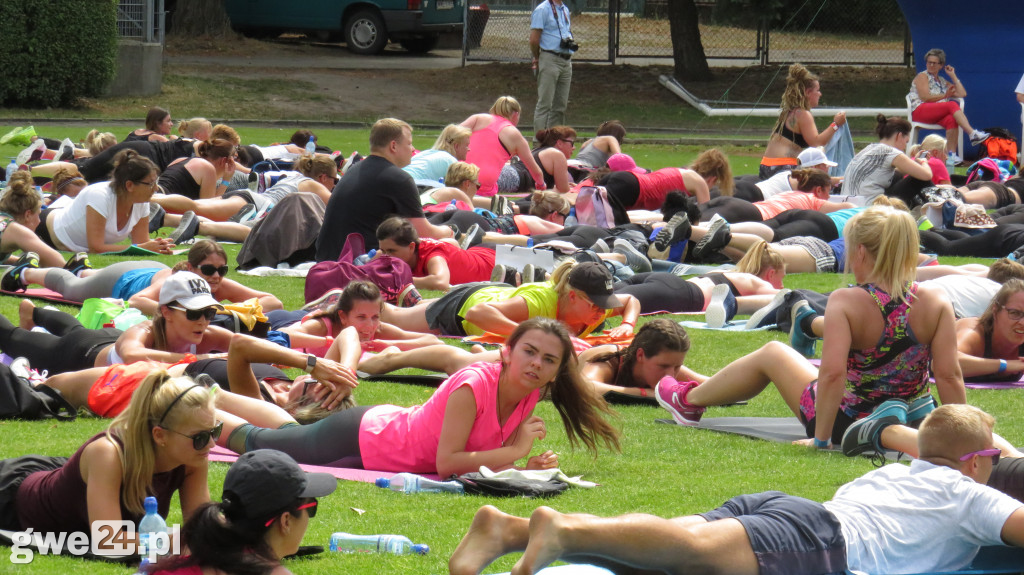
(420, 45)
(365, 33)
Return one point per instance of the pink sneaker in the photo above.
(671, 395)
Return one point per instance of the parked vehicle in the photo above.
(366, 26)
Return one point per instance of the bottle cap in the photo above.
(420, 549)
(149, 504)
(383, 482)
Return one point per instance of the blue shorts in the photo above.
(133, 281)
(839, 249)
(789, 535)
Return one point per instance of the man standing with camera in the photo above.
(552, 45)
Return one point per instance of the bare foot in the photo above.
(381, 362)
(25, 309)
(477, 348)
(545, 544)
(491, 535)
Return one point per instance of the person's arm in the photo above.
(958, 90)
(835, 349)
(195, 489)
(513, 139)
(809, 130)
(630, 312)
(438, 275)
(459, 417)
(233, 291)
(1013, 530)
(696, 186)
(1020, 97)
(835, 207)
(559, 169)
(101, 471)
(315, 187)
(921, 83)
(917, 169)
(535, 46)
(393, 336)
(501, 318)
(971, 353)
(949, 380)
(95, 233)
(205, 175)
(135, 345)
(425, 229)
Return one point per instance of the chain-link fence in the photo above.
(141, 20)
(815, 31)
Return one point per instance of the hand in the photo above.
(839, 118)
(950, 92)
(374, 345)
(336, 382)
(546, 460)
(950, 70)
(539, 186)
(159, 245)
(809, 442)
(529, 430)
(621, 330)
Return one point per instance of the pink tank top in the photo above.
(489, 154)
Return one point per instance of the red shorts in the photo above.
(940, 113)
(112, 391)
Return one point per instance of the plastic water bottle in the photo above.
(571, 220)
(394, 544)
(150, 524)
(311, 145)
(11, 168)
(950, 162)
(143, 566)
(412, 483)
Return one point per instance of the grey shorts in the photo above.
(824, 257)
(789, 535)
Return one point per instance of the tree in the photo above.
(194, 18)
(687, 49)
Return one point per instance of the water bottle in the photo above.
(143, 566)
(571, 220)
(950, 162)
(11, 168)
(394, 544)
(412, 483)
(311, 145)
(151, 524)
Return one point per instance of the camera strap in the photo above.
(554, 12)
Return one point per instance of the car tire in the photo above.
(365, 32)
(420, 45)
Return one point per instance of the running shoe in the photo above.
(979, 136)
(636, 261)
(504, 274)
(501, 206)
(33, 152)
(799, 340)
(20, 368)
(866, 433)
(67, 150)
(766, 315)
(325, 302)
(471, 236)
(918, 409)
(719, 235)
(671, 395)
(186, 230)
(11, 280)
(601, 247)
(677, 229)
(722, 307)
(77, 263)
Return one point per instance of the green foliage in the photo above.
(54, 52)
(867, 17)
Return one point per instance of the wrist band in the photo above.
(834, 126)
(643, 392)
(630, 324)
(225, 183)
(820, 444)
(1002, 365)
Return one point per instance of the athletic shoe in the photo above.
(919, 409)
(328, 300)
(636, 261)
(471, 236)
(350, 161)
(584, 256)
(11, 280)
(244, 213)
(601, 247)
(957, 160)
(866, 433)
(66, 151)
(77, 263)
(676, 230)
(799, 340)
(33, 152)
(721, 308)
(529, 272)
(186, 230)
(21, 368)
(767, 313)
(539, 275)
(409, 296)
(979, 136)
(719, 235)
(156, 216)
(503, 274)
(671, 395)
(501, 206)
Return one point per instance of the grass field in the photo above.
(664, 470)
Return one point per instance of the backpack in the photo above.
(593, 207)
(100, 312)
(20, 400)
(991, 170)
(1000, 145)
(390, 274)
(476, 484)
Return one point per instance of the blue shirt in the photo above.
(552, 31)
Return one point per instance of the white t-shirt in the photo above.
(1020, 86)
(775, 185)
(276, 152)
(69, 223)
(870, 172)
(970, 295)
(922, 518)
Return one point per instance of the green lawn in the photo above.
(664, 470)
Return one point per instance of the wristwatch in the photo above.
(310, 363)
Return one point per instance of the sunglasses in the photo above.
(202, 439)
(195, 314)
(993, 453)
(309, 507)
(210, 269)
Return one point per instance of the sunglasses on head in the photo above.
(992, 452)
(201, 439)
(210, 269)
(195, 314)
(309, 507)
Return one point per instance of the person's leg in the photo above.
(560, 100)
(986, 245)
(640, 541)
(491, 535)
(176, 204)
(75, 385)
(751, 229)
(446, 194)
(229, 231)
(444, 358)
(749, 375)
(408, 318)
(547, 81)
(99, 283)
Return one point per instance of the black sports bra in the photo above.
(792, 136)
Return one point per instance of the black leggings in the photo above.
(1012, 214)
(332, 441)
(794, 223)
(662, 291)
(462, 219)
(584, 236)
(68, 347)
(98, 168)
(1008, 477)
(995, 243)
(732, 209)
(745, 188)
(906, 188)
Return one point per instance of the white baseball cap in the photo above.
(813, 157)
(189, 290)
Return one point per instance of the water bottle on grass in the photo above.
(412, 483)
(394, 544)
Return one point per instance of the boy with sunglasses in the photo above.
(931, 516)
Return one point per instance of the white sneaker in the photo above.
(33, 152)
(979, 136)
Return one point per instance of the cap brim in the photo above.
(641, 171)
(609, 301)
(199, 301)
(319, 485)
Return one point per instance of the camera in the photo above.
(569, 44)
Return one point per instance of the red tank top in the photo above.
(465, 266)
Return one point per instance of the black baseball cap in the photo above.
(266, 482)
(596, 282)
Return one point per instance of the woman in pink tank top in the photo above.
(495, 139)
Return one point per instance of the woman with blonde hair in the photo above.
(155, 447)
(19, 216)
(495, 139)
(429, 167)
(195, 128)
(882, 337)
(64, 187)
(795, 128)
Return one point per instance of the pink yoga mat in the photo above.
(43, 294)
(367, 476)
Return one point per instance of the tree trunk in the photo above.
(193, 18)
(687, 49)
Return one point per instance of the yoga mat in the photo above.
(571, 570)
(734, 325)
(1009, 384)
(428, 379)
(134, 250)
(225, 455)
(43, 294)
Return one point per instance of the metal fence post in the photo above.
(613, 17)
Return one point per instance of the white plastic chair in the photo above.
(1021, 152)
(915, 126)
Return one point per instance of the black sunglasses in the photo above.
(210, 269)
(202, 439)
(195, 314)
